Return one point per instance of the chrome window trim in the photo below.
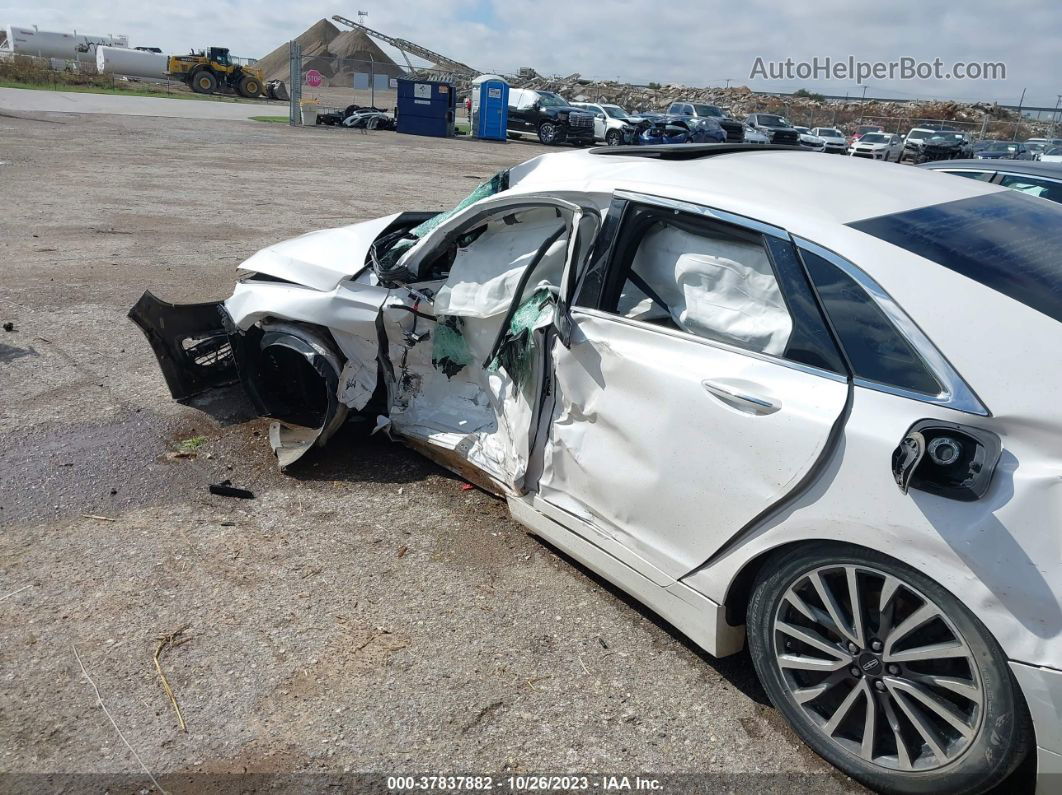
(956, 393)
(683, 335)
(700, 209)
(967, 169)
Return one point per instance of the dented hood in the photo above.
(321, 259)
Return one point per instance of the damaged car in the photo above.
(823, 431)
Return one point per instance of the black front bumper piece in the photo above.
(191, 341)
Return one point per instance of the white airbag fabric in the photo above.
(484, 276)
(719, 289)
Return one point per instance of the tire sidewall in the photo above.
(211, 82)
(1005, 734)
(548, 133)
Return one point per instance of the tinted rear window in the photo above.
(1009, 242)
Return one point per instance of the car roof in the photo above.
(798, 190)
(1032, 168)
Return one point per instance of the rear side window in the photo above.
(1034, 186)
(706, 281)
(1007, 241)
(876, 349)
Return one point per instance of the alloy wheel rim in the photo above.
(878, 667)
(548, 132)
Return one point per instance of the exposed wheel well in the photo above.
(740, 591)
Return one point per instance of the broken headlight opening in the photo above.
(946, 459)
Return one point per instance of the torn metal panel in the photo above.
(291, 442)
(443, 393)
(320, 259)
(349, 311)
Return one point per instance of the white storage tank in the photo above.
(48, 44)
(136, 63)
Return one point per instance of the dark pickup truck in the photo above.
(550, 117)
(775, 127)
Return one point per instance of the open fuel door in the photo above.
(688, 395)
(465, 334)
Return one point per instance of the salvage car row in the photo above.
(552, 119)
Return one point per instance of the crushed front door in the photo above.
(463, 339)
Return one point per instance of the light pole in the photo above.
(1017, 124)
(1054, 121)
(861, 103)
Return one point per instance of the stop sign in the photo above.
(313, 78)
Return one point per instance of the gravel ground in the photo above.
(365, 614)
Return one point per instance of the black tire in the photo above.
(1003, 735)
(613, 138)
(203, 82)
(249, 87)
(549, 133)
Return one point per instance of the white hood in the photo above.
(321, 259)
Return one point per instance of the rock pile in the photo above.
(336, 55)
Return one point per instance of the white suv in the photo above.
(612, 124)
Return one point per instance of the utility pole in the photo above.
(1017, 124)
(861, 103)
(1054, 121)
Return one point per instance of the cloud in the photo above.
(693, 42)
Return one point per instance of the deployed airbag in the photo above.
(484, 276)
(719, 289)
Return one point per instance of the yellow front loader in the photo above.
(214, 72)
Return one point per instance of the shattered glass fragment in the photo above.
(495, 184)
(515, 355)
(450, 353)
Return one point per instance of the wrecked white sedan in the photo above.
(828, 428)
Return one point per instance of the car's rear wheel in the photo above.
(884, 673)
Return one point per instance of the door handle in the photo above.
(741, 399)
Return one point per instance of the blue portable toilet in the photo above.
(490, 107)
(426, 107)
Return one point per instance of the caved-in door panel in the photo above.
(668, 445)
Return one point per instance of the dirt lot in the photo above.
(365, 614)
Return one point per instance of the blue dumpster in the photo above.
(490, 107)
(426, 107)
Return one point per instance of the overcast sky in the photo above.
(694, 42)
